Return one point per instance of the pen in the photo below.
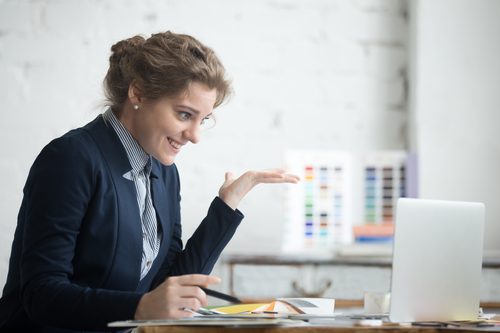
(220, 295)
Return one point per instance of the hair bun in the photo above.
(163, 65)
(125, 48)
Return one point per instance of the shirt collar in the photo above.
(138, 158)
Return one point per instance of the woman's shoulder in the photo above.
(75, 142)
(75, 145)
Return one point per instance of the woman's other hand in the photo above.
(170, 298)
(233, 190)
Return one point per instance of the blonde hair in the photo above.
(163, 65)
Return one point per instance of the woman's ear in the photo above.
(134, 94)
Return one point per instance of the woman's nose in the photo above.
(193, 133)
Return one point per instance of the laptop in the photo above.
(437, 260)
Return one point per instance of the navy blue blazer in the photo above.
(76, 256)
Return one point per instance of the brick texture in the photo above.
(322, 74)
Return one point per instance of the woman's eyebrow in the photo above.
(189, 108)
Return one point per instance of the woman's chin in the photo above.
(166, 159)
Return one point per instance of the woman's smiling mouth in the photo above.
(174, 144)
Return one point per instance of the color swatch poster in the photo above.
(342, 197)
(319, 208)
(384, 183)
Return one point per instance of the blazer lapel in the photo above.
(161, 202)
(128, 229)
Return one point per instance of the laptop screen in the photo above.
(437, 259)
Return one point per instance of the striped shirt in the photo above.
(140, 173)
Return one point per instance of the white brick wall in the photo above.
(307, 74)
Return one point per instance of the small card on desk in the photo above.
(285, 306)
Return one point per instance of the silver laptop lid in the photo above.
(437, 259)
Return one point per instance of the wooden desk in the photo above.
(340, 327)
(315, 329)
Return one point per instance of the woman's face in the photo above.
(162, 127)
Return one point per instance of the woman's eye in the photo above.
(184, 115)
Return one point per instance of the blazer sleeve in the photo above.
(205, 245)
(56, 196)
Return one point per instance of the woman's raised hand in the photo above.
(233, 190)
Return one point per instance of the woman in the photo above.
(99, 235)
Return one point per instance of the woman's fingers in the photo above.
(285, 177)
(175, 294)
(193, 294)
(233, 190)
(190, 302)
(187, 288)
(274, 176)
(229, 176)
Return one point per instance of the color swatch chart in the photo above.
(318, 208)
(384, 184)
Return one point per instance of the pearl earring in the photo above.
(136, 107)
